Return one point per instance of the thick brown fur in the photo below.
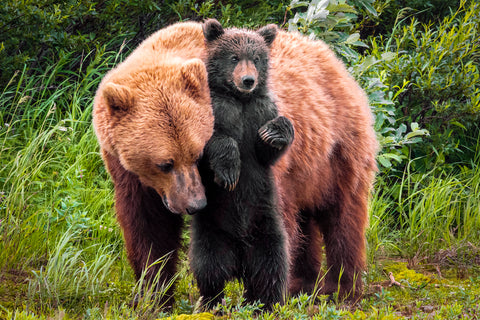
(151, 110)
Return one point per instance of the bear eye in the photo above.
(166, 166)
(234, 59)
(256, 59)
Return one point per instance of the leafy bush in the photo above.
(436, 79)
(37, 33)
(332, 21)
(430, 10)
(243, 13)
(390, 12)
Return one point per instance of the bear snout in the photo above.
(248, 81)
(186, 193)
(245, 76)
(185, 203)
(196, 205)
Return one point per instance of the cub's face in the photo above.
(157, 127)
(237, 60)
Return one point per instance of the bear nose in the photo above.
(248, 81)
(196, 206)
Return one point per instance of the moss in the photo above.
(13, 288)
(424, 292)
(198, 316)
(406, 276)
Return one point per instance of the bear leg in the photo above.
(266, 269)
(141, 214)
(213, 262)
(223, 155)
(344, 237)
(305, 274)
(274, 137)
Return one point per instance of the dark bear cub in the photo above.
(240, 233)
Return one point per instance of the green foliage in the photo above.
(392, 132)
(244, 13)
(442, 200)
(332, 21)
(391, 11)
(436, 77)
(69, 274)
(50, 166)
(430, 10)
(37, 33)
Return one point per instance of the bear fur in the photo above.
(240, 233)
(152, 116)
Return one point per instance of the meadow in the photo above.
(61, 250)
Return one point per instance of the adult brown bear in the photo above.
(152, 117)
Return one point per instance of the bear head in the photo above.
(156, 121)
(237, 60)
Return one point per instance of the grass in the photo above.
(62, 254)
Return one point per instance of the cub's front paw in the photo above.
(277, 133)
(224, 157)
(227, 177)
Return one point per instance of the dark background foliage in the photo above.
(37, 32)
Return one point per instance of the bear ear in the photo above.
(194, 75)
(212, 29)
(118, 97)
(269, 32)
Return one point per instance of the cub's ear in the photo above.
(269, 32)
(212, 29)
(194, 75)
(118, 97)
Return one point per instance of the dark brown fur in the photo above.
(141, 219)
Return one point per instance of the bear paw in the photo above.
(227, 177)
(225, 161)
(277, 133)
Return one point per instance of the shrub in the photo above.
(435, 76)
(36, 33)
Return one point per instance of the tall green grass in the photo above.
(50, 170)
(426, 213)
(56, 210)
(68, 276)
(439, 210)
(57, 222)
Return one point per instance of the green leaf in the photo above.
(296, 4)
(458, 124)
(393, 156)
(417, 133)
(367, 5)
(387, 140)
(387, 56)
(384, 161)
(352, 38)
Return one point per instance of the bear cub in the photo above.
(240, 234)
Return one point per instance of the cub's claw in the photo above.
(224, 157)
(227, 179)
(277, 133)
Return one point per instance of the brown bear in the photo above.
(152, 116)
